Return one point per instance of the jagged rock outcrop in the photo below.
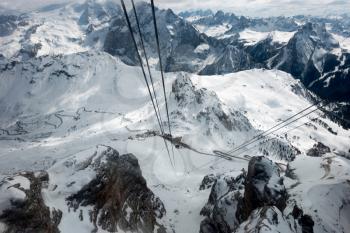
(309, 56)
(278, 148)
(340, 113)
(304, 52)
(9, 23)
(178, 39)
(254, 201)
(224, 205)
(203, 107)
(101, 191)
(208, 182)
(124, 49)
(305, 221)
(93, 12)
(266, 219)
(318, 150)
(239, 23)
(333, 82)
(263, 50)
(232, 59)
(22, 207)
(264, 186)
(119, 196)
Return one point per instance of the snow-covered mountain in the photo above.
(80, 146)
(311, 49)
(314, 56)
(198, 42)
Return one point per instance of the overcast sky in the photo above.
(241, 7)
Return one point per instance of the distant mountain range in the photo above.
(314, 50)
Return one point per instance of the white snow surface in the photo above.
(49, 117)
(12, 190)
(344, 42)
(251, 37)
(57, 31)
(202, 48)
(214, 31)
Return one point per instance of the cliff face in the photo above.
(113, 196)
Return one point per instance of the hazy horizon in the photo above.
(253, 8)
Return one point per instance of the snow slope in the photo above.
(60, 29)
(344, 42)
(251, 37)
(254, 92)
(56, 108)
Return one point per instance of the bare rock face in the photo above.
(318, 150)
(97, 189)
(259, 193)
(224, 204)
(22, 208)
(266, 219)
(304, 220)
(264, 186)
(208, 182)
(120, 196)
(200, 105)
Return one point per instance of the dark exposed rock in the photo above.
(120, 196)
(297, 212)
(307, 224)
(335, 79)
(266, 219)
(290, 172)
(252, 202)
(279, 149)
(31, 215)
(324, 125)
(264, 186)
(233, 200)
(231, 60)
(305, 221)
(308, 56)
(9, 23)
(224, 204)
(263, 50)
(29, 50)
(119, 32)
(207, 182)
(318, 150)
(92, 11)
(59, 73)
(339, 113)
(178, 40)
(208, 226)
(210, 109)
(238, 24)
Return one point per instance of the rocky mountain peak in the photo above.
(318, 34)
(119, 194)
(94, 12)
